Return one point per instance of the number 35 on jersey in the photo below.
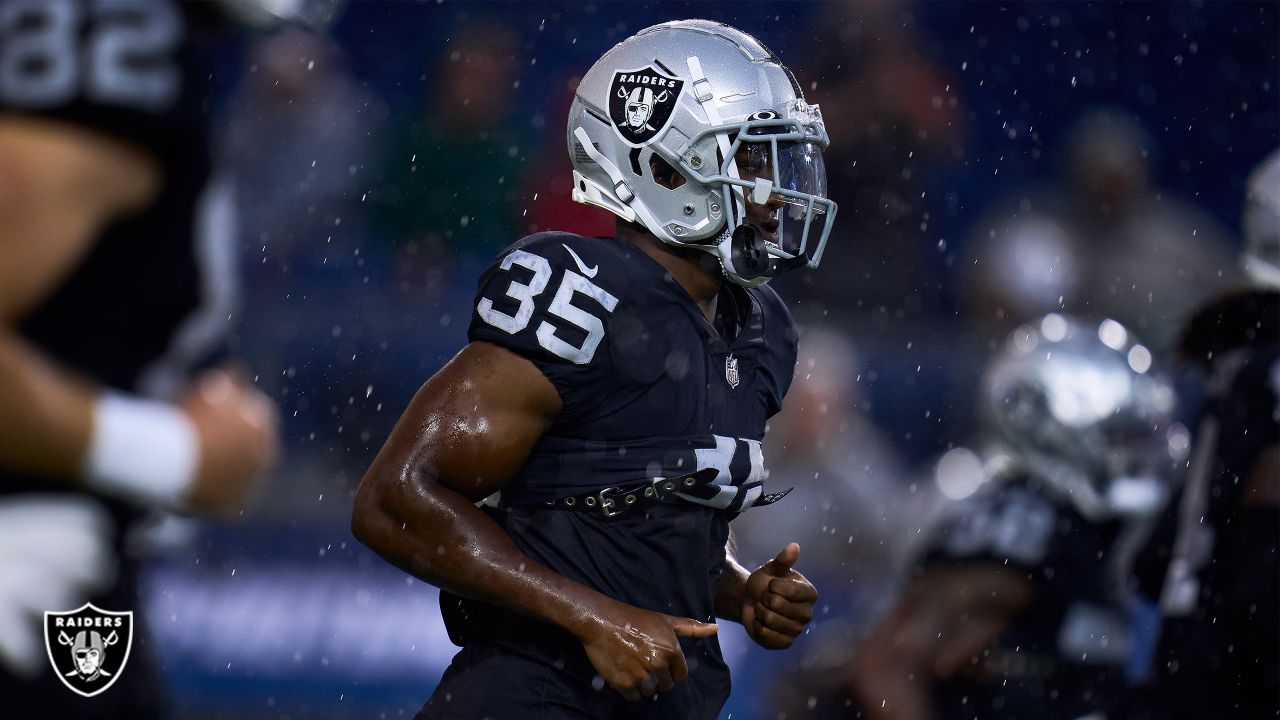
(571, 324)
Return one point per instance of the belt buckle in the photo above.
(608, 506)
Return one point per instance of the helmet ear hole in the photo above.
(664, 174)
(634, 156)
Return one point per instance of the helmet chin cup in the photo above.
(752, 265)
(750, 257)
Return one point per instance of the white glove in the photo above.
(55, 550)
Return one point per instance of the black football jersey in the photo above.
(131, 69)
(151, 299)
(650, 389)
(1219, 653)
(1064, 654)
(153, 294)
(139, 71)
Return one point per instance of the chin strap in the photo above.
(621, 190)
(725, 243)
(702, 92)
(752, 264)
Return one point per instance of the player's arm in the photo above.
(464, 435)
(731, 588)
(945, 618)
(59, 186)
(774, 602)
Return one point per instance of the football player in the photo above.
(614, 395)
(115, 272)
(1214, 561)
(1019, 605)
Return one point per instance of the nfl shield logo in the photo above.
(88, 647)
(731, 371)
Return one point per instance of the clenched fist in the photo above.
(238, 428)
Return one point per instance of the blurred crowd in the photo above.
(991, 164)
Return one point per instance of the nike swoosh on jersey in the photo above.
(581, 265)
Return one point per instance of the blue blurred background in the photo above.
(992, 161)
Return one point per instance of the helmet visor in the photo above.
(797, 197)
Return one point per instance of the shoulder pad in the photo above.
(542, 297)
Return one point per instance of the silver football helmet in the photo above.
(1261, 258)
(720, 109)
(1080, 407)
(266, 14)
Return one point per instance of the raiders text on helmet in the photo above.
(715, 105)
(641, 104)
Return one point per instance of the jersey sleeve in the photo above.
(550, 299)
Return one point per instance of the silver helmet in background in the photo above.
(1080, 407)
(269, 14)
(1261, 258)
(713, 106)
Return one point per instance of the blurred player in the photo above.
(1213, 563)
(116, 284)
(615, 391)
(1019, 606)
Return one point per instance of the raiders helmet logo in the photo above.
(88, 647)
(641, 102)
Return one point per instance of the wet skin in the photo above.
(465, 434)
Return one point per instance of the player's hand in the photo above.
(637, 652)
(778, 602)
(238, 429)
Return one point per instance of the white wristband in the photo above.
(144, 450)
